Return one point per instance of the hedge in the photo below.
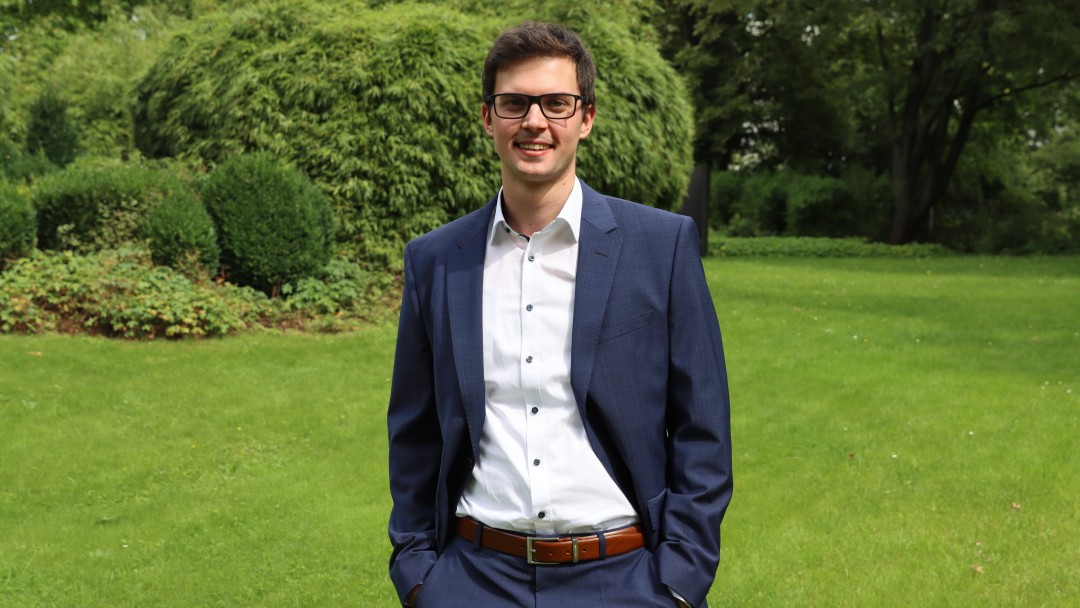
(99, 203)
(181, 234)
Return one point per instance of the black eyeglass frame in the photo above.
(536, 99)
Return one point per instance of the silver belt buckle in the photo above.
(547, 539)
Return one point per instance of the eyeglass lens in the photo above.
(553, 105)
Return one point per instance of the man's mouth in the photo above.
(533, 147)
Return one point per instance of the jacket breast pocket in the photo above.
(626, 326)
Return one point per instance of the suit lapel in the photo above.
(465, 291)
(598, 256)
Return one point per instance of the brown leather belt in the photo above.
(543, 550)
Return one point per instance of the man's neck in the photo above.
(528, 208)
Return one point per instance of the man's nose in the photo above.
(534, 118)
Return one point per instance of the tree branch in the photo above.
(1070, 73)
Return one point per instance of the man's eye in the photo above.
(513, 102)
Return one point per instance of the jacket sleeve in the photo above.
(415, 444)
(699, 431)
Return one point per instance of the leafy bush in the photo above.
(97, 203)
(819, 206)
(17, 224)
(341, 296)
(119, 293)
(181, 234)
(725, 187)
(763, 202)
(818, 247)
(50, 132)
(18, 166)
(788, 203)
(274, 226)
(380, 108)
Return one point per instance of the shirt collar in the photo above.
(570, 213)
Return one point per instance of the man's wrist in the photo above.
(410, 598)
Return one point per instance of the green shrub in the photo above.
(274, 226)
(787, 203)
(342, 295)
(97, 203)
(380, 108)
(181, 234)
(725, 187)
(119, 293)
(763, 202)
(819, 206)
(50, 132)
(17, 224)
(18, 166)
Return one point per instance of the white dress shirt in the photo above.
(536, 472)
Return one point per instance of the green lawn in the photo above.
(904, 434)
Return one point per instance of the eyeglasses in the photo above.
(517, 105)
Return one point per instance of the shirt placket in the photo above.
(532, 364)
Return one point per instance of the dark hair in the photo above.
(534, 39)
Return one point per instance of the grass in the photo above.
(904, 434)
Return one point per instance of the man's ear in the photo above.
(587, 116)
(485, 116)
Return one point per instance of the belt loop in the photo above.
(478, 541)
(603, 544)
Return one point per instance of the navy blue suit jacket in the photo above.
(647, 369)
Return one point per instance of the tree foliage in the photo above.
(896, 86)
(50, 132)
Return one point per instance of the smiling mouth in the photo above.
(534, 147)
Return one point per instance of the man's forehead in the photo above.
(549, 68)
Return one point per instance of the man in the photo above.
(558, 420)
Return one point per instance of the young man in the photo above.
(558, 420)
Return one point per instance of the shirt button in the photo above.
(536, 462)
(528, 359)
(541, 515)
(528, 307)
(532, 257)
(535, 410)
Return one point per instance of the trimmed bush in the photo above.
(97, 203)
(17, 224)
(181, 234)
(274, 226)
(380, 108)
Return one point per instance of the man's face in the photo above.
(536, 150)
